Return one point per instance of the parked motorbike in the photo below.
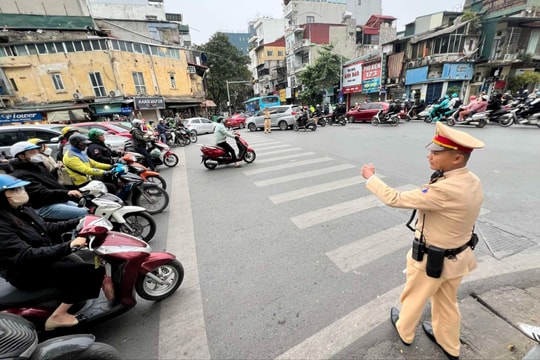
(305, 122)
(213, 155)
(130, 159)
(425, 114)
(388, 118)
(19, 340)
(131, 263)
(134, 190)
(414, 111)
(132, 220)
(533, 332)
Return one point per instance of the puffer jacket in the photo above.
(81, 168)
(28, 242)
(43, 189)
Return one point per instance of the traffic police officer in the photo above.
(447, 211)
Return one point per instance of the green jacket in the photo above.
(221, 133)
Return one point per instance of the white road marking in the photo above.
(181, 315)
(341, 209)
(285, 157)
(266, 153)
(291, 164)
(317, 189)
(303, 175)
(337, 336)
(271, 147)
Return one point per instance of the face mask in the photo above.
(36, 159)
(17, 198)
(48, 151)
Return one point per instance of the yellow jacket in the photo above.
(77, 164)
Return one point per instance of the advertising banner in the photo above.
(371, 77)
(352, 78)
(20, 117)
(148, 103)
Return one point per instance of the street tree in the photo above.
(226, 63)
(527, 80)
(323, 74)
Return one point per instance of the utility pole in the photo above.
(229, 94)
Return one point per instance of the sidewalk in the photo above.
(488, 327)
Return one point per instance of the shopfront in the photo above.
(371, 80)
(352, 83)
(148, 107)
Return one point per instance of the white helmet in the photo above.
(136, 123)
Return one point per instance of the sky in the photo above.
(206, 17)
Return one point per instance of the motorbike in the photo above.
(132, 220)
(134, 190)
(414, 111)
(305, 122)
(388, 118)
(130, 159)
(131, 264)
(213, 155)
(160, 153)
(184, 136)
(532, 332)
(337, 116)
(479, 119)
(19, 340)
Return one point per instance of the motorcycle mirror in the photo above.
(82, 202)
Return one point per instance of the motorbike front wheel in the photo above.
(342, 121)
(450, 121)
(295, 127)
(149, 287)
(249, 156)
(322, 122)
(314, 127)
(428, 119)
(506, 121)
(158, 180)
(375, 121)
(154, 199)
(193, 136)
(95, 351)
(481, 123)
(170, 160)
(139, 224)
(394, 121)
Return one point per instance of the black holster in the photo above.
(435, 261)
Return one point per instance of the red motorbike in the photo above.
(213, 155)
(131, 264)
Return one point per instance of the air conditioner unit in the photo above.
(191, 69)
(114, 93)
(509, 57)
(77, 96)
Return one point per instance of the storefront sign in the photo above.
(149, 103)
(416, 75)
(463, 71)
(371, 77)
(352, 78)
(20, 117)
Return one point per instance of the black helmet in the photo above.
(77, 139)
(219, 119)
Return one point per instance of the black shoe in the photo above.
(394, 316)
(428, 329)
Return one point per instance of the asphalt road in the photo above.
(292, 257)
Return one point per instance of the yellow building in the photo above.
(271, 68)
(102, 76)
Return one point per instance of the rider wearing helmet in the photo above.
(50, 199)
(98, 150)
(46, 151)
(139, 139)
(221, 133)
(33, 256)
(80, 167)
(66, 132)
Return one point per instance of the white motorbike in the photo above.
(132, 220)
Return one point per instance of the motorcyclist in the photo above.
(221, 133)
(51, 164)
(66, 132)
(83, 169)
(454, 101)
(475, 105)
(438, 110)
(97, 150)
(139, 141)
(33, 256)
(162, 129)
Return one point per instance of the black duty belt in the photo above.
(453, 252)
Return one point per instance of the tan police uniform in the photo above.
(267, 121)
(447, 212)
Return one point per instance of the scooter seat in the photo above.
(11, 297)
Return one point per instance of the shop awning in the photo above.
(208, 103)
(66, 116)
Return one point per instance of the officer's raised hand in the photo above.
(368, 170)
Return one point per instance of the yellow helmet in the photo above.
(67, 129)
(36, 141)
